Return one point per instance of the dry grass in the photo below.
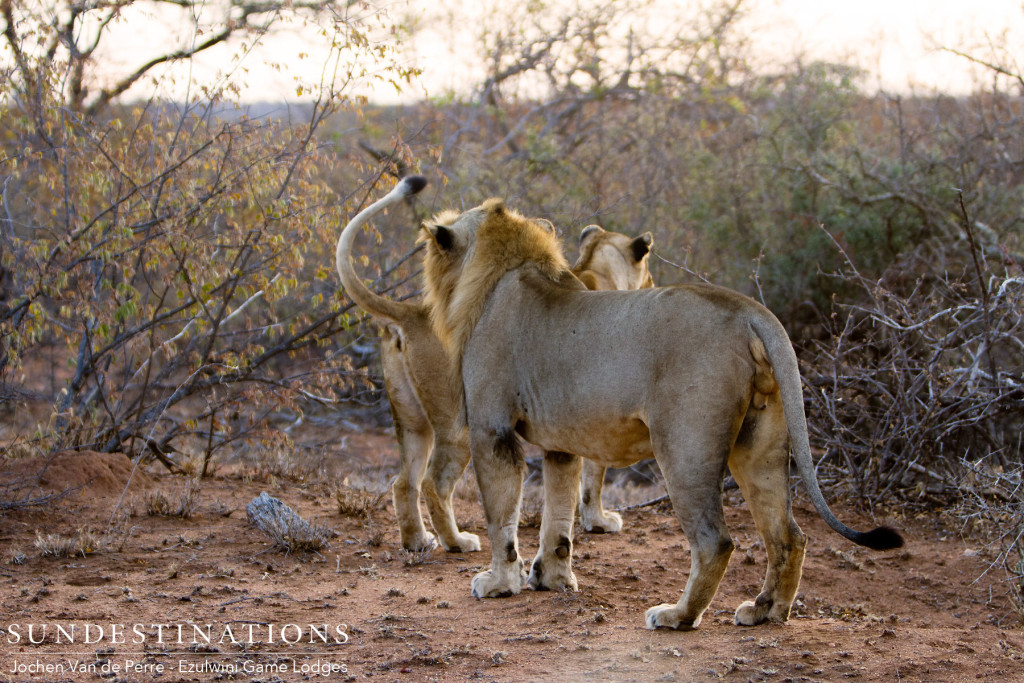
(81, 543)
(376, 536)
(992, 508)
(157, 504)
(356, 502)
(412, 558)
(16, 556)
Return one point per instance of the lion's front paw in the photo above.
(552, 576)
(601, 522)
(464, 543)
(492, 584)
(667, 616)
(420, 542)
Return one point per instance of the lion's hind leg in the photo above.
(414, 448)
(693, 468)
(447, 463)
(552, 568)
(760, 464)
(593, 517)
(415, 437)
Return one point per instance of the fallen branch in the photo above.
(285, 527)
(645, 504)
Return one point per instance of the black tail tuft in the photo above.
(882, 538)
(414, 184)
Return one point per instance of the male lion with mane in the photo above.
(425, 405)
(697, 376)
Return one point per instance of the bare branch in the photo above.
(988, 65)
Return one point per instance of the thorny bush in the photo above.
(926, 371)
(917, 394)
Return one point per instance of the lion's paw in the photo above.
(464, 543)
(420, 542)
(667, 616)
(552, 576)
(601, 522)
(750, 614)
(491, 584)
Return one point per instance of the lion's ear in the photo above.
(589, 231)
(546, 224)
(443, 236)
(494, 205)
(641, 246)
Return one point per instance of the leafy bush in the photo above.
(179, 256)
(776, 184)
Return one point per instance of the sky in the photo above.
(897, 42)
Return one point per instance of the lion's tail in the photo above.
(371, 301)
(783, 360)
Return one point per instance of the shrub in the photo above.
(177, 256)
(926, 371)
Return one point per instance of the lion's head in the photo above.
(468, 253)
(611, 260)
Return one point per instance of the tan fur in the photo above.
(764, 377)
(698, 377)
(504, 240)
(433, 446)
(425, 403)
(607, 261)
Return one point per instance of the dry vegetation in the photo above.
(289, 531)
(81, 543)
(158, 504)
(930, 612)
(168, 291)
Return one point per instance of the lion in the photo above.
(433, 447)
(607, 260)
(697, 376)
(424, 404)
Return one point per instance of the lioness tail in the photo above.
(359, 292)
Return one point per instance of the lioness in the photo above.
(608, 260)
(424, 404)
(698, 376)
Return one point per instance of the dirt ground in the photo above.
(160, 584)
